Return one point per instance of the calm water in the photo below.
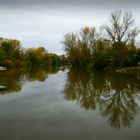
(53, 103)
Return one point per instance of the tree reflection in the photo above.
(115, 94)
(118, 104)
(13, 79)
(120, 108)
(79, 87)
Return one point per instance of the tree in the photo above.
(80, 46)
(122, 28)
(87, 38)
(121, 34)
(12, 53)
(71, 47)
(2, 56)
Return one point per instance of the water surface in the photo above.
(67, 104)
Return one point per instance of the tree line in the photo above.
(13, 55)
(114, 45)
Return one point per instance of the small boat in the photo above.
(2, 87)
(3, 68)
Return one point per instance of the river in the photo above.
(58, 103)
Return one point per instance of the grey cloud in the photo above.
(44, 22)
(67, 2)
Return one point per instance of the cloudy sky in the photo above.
(44, 22)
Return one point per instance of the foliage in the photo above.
(12, 55)
(115, 48)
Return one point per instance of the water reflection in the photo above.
(13, 79)
(114, 94)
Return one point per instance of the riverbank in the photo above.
(130, 70)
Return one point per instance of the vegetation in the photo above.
(114, 46)
(12, 55)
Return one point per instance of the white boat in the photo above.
(2, 87)
(3, 68)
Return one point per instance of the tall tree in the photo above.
(122, 28)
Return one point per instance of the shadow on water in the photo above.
(115, 95)
(13, 79)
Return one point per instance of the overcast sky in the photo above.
(44, 22)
